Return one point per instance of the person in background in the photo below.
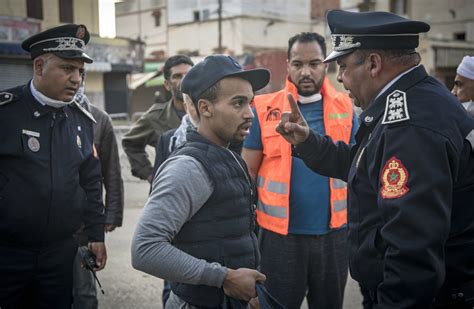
(105, 142)
(160, 118)
(464, 84)
(173, 138)
(302, 236)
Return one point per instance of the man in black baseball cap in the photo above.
(197, 228)
(411, 173)
(216, 67)
(47, 153)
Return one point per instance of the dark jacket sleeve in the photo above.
(90, 179)
(162, 148)
(324, 156)
(134, 143)
(417, 218)
(111, 171)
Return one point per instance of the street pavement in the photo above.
(126, 288)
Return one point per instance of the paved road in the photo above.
(126, 288)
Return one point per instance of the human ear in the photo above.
(375, 64)
(167, 85)
(205, 108)
(38, 65)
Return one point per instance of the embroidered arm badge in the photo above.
(394, 179)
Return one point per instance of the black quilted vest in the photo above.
(223, 229)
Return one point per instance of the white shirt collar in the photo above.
(44, 100)
(466, 104)
(393, 81)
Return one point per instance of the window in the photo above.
(205, 14)
(460, 36)
(157, 16)
(34, 9)
(66, 14)
(196, 15)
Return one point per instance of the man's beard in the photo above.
(178, 94)
(317, 87)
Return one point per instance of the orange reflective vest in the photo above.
(273, 180)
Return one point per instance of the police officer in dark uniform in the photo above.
(50, 179)
(411, 173)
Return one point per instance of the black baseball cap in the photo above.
(66, 41)
(216, 67)
(371, 30)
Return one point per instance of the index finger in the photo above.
(294, 106)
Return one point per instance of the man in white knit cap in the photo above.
(464, 84)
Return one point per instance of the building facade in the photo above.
(144, 20)
(106, 81)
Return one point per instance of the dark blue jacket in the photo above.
(411, 192)
(50, 181)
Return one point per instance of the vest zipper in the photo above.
(253, 208)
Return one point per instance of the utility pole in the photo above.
(219, 23)
(139, 20)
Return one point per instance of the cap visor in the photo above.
(337, 54)
(74, 54)
(258, 78)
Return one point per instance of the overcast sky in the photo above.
(107, 18)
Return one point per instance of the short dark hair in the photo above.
(211, 94)
(174, 61)
(307, 37)
(396, 56)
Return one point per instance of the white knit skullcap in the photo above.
(466, 68)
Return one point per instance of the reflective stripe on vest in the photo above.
(260, 181)
(340, 205)
(277, 187)
(339, 184)
(273, 181)
(272, 210)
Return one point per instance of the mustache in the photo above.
(307, 80)
(245, 124)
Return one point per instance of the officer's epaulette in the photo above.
(87, 113)
(396, 109)
(6, 97)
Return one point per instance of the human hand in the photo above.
(98, 248)
(109, 227)
(240, 283)
(293, 126)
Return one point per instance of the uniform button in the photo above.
(36, 114)
(460, 295)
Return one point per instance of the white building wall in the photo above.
(445, 17)
(182, 11)
(261, 33)
(238, 35)
(138, 22)
(203, 37)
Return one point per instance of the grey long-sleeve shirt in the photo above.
(180, 189)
